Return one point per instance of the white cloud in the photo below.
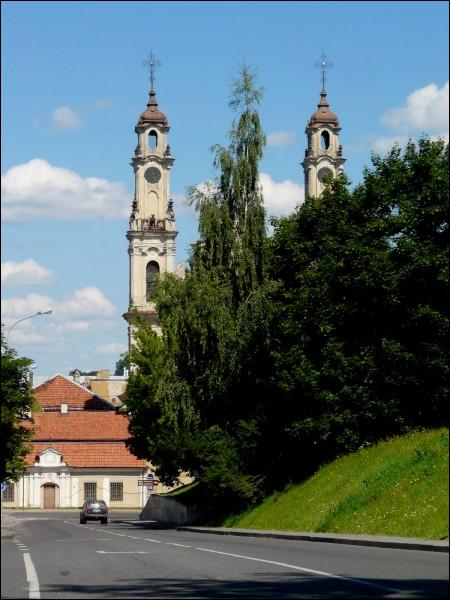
(382, 145)
(39, 190)
(65, 117)
(426, 110)
(28, 272)
(16, 308)
(19, 336)
(82, 326)
(87, 302)
(280, 138)
(280, 198)
(111, 348)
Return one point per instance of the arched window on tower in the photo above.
(152, 140)
(151, 276)
(325, 140)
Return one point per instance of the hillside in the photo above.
(398, 487)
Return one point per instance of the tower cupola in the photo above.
(152, 115)
(323, 156)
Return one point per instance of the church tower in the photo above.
(323, 157)
(151, 234)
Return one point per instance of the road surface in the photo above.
(53, 556)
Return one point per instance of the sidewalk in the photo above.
(333, 538)
(8, 525)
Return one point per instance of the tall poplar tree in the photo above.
(205, 401)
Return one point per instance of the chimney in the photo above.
(76, 376)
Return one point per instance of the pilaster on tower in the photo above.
(152, 231)
(323, 156)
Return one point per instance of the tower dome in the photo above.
(323, 113)
(152, 116)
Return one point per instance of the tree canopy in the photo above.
(17, 400)
(361, 342)
(278, 354)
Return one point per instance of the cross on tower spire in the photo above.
(152, 63)
(323, 64)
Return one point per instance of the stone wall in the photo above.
(170, 510)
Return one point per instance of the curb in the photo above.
(396, 543)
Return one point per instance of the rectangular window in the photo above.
(90, 491)
(8, 493)
(116, 491)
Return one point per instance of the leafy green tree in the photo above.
(17, 400)
(360, 346)
(212, 353)
(122, 364)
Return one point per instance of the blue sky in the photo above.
(73, 87)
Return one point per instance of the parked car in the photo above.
(94, 510)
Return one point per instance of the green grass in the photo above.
(398, 487)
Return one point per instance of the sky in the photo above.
(74, 85)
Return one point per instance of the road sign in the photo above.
(151, 482)
(150, 476)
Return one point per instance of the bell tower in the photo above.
(323, 157)
(151, 234)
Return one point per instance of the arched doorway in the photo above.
(49, 495)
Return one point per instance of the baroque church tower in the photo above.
(151, 234)
(323, 157)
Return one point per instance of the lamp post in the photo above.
(40, 312)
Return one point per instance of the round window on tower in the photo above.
(153, 175)
(323, 173)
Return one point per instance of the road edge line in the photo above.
(32, 578)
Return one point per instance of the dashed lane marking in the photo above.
(121, 552)
(86, 540)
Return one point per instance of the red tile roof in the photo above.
(60, 390)
(80, 425)
(91, 434)
(92, 455)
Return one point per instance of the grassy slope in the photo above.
(398, 487)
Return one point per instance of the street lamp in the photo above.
(40, 312)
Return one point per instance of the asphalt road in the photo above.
(53, 556)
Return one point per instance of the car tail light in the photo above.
(85, 509)
(106, 509)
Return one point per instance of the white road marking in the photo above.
(32, 578)
(297, 568)
(37, 519)
(271, 562)
(86, 540)
(130, 552)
